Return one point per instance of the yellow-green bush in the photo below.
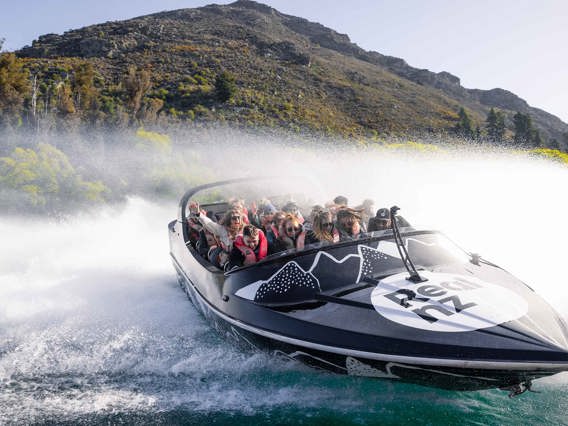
(153, 140)
(411, 145)
(44, 180)
(553, 154)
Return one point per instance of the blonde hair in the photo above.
(289, 218)
(319, 231)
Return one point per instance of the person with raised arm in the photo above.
(229, 227)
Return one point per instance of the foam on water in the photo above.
(93, 324)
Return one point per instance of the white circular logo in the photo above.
(446, 302)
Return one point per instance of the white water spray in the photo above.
(95, 297)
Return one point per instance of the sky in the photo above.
(517, 45)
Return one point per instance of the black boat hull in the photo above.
(461, 379)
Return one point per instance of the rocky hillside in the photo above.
(288, 72)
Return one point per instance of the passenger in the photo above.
(323, 229)
(348, 224)
(292, 208)
(272, 230)
(331, 207)
(254, 212)
(207, 242)
(218, 257)
(309, 224)
(340, 201)
(239, 204)
(252, 215)
(367, 212)
(381, 221)
(291, 235)
(195, 229)
(228, 228)
(316, 210)
(265, 217)
(248, 248)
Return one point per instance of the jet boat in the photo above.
(403, 303)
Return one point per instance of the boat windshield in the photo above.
(427, 249)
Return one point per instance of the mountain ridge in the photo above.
(246, 34)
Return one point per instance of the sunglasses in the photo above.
(293, 229)
(236, 218)
(348, 222)
(327, 225)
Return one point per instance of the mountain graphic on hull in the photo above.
(291, 283)
(333, 274)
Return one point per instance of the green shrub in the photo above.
(44, 181)
(225, 86)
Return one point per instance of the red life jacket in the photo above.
(248, 253)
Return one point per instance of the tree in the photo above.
(536, 139)
(14, 87)
(523, 128)
(86, 94)
(65, 104)
(84, 87)
(137, 83)
(149, 110)
(2, 40)
(225, 86)
(525, 133)
(495, 125)
(477, 133)
(464, 127)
